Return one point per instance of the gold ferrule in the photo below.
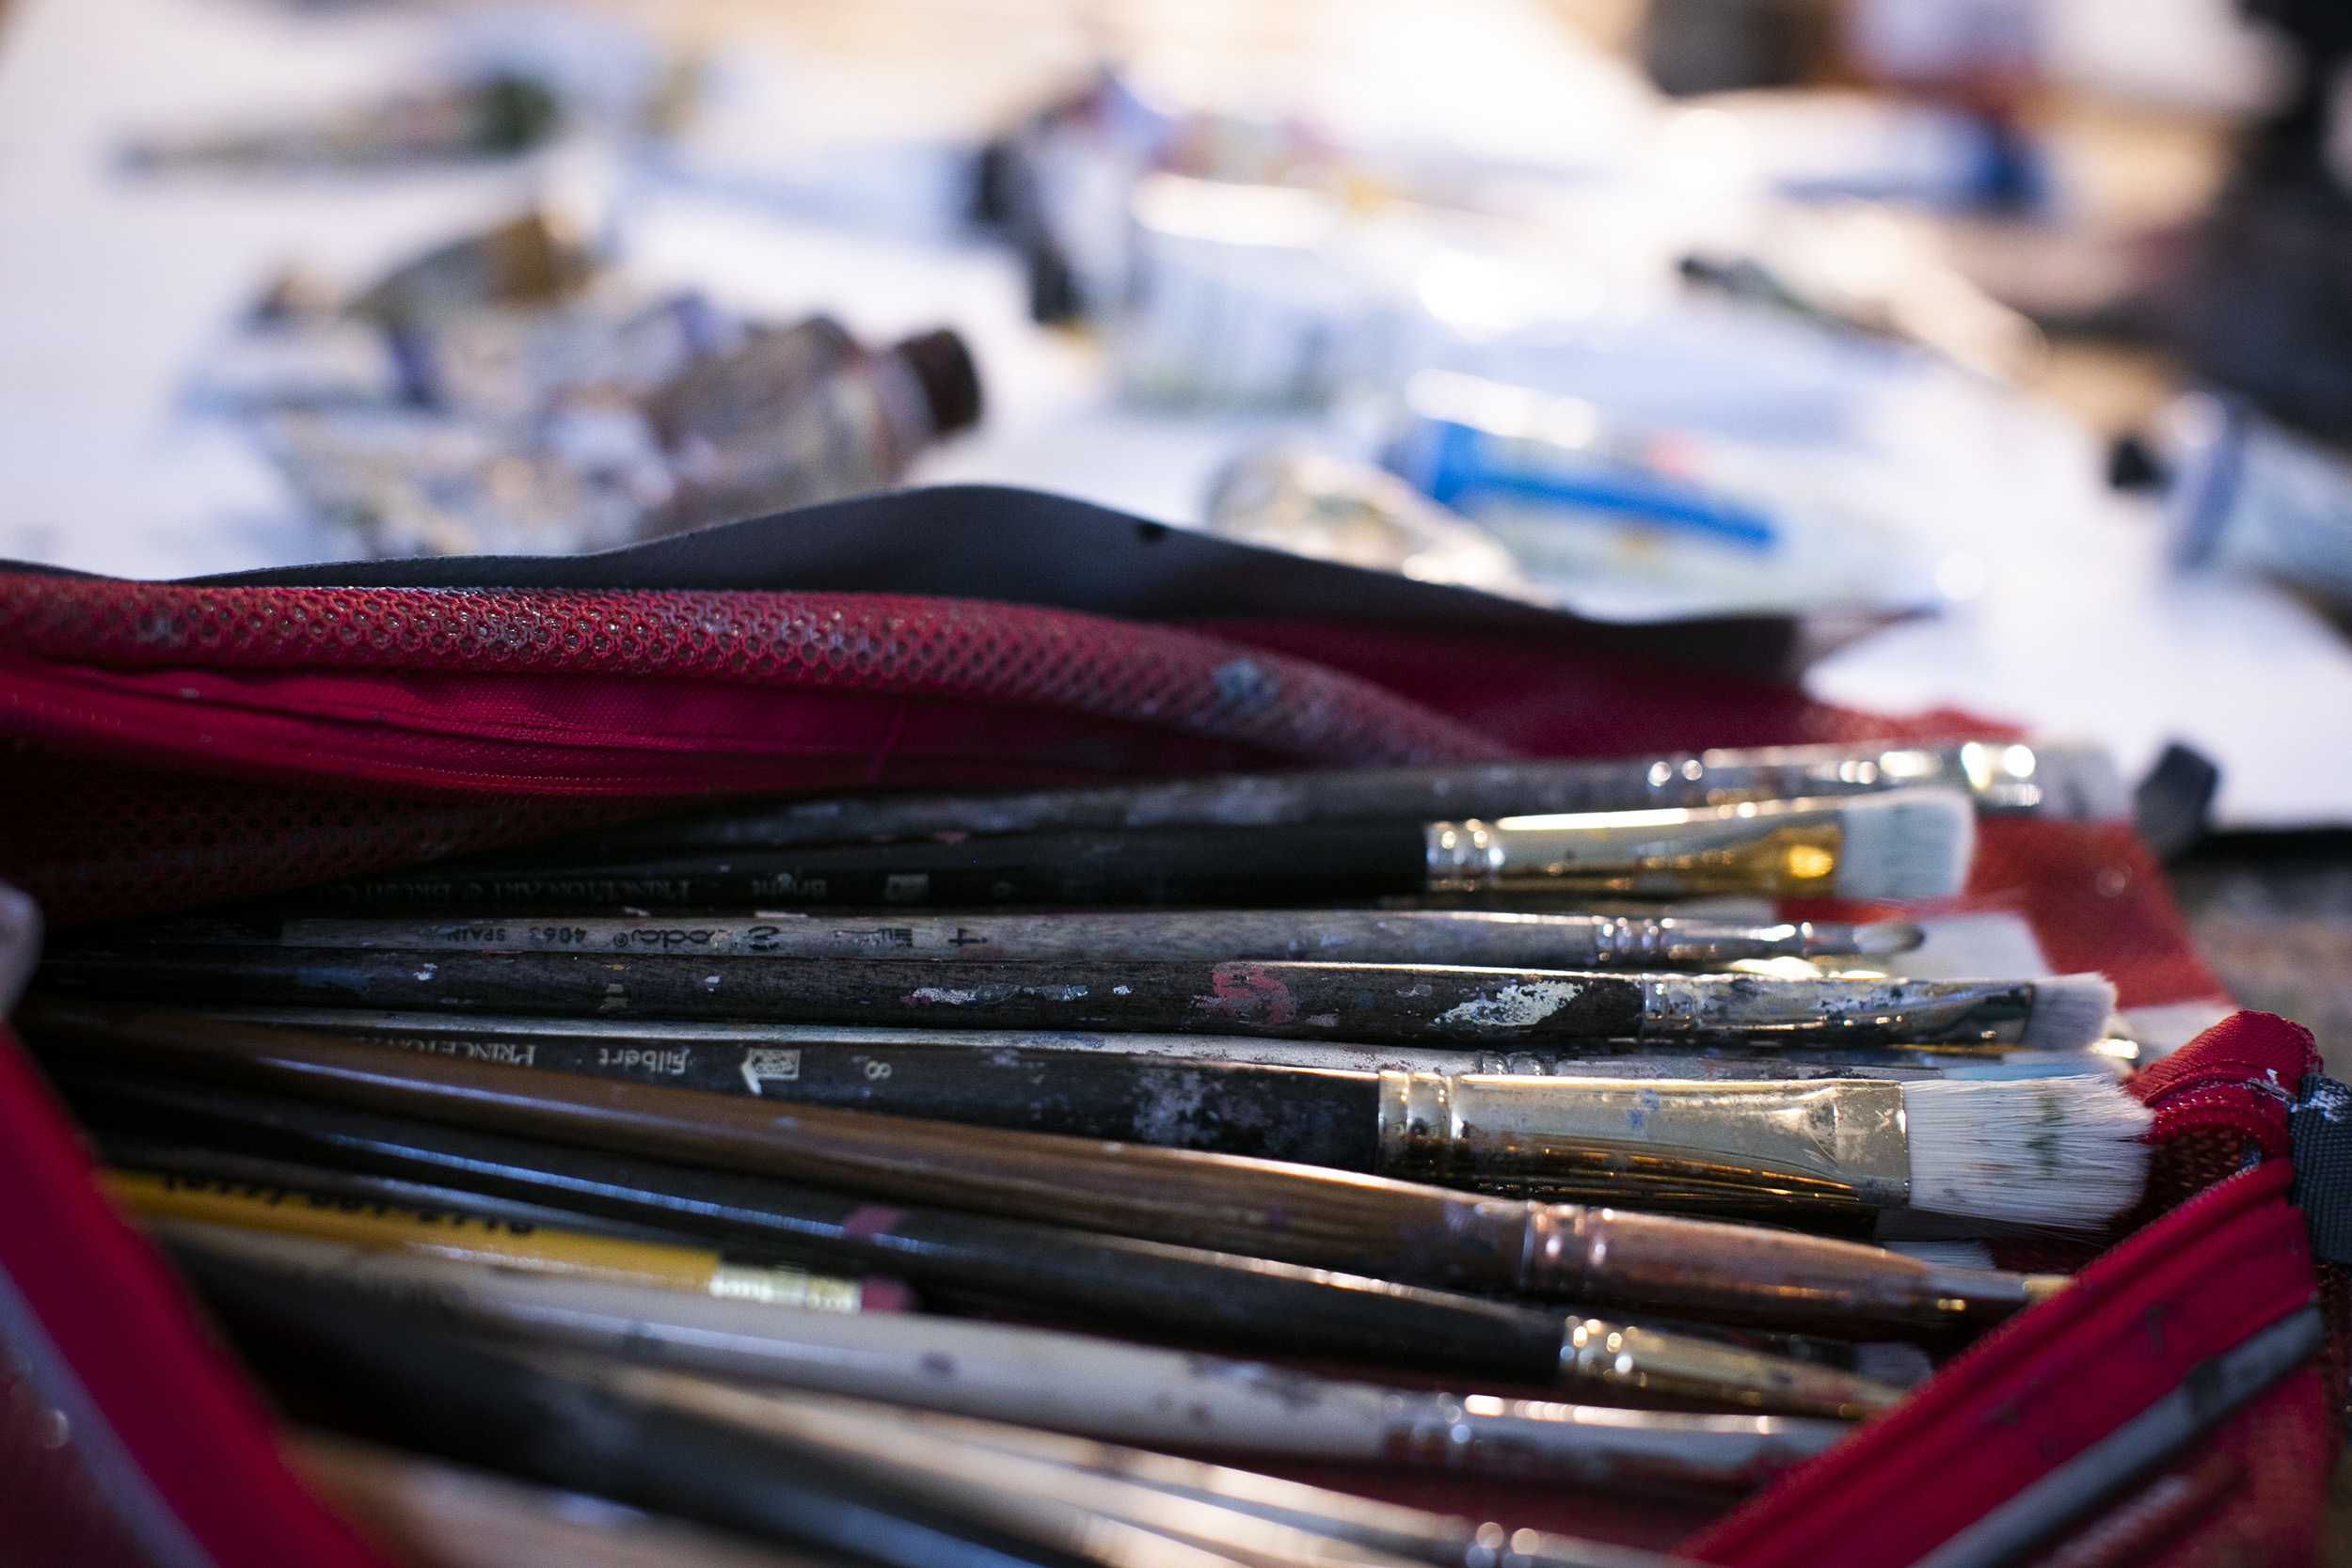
(1755, 847)
(1622, 1359)
(1838, 1141)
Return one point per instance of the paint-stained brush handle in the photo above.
(1323, 1219)
(1474, 937)
(1999, 773)
(1362, 1002)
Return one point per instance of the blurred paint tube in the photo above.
(1316, 504)
(1629, 523)
(2252, 497)
(1474, 439)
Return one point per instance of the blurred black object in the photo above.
(1695, 46)
(2133, 465)
(2169, 806)
(2268, 310)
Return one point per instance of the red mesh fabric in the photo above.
(1569, 696)
(1181, 681)
(92, 843)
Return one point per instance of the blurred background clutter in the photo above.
(1999, 349)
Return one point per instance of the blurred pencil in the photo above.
(460, 1237)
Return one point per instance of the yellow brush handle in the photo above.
(432, 1233)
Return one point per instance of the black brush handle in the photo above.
(1363, 1002)
(1184, 1292)
(1238, 867)
(459, 1400)
(1311, 1115)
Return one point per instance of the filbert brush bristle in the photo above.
(2046, 1152)
(1905, 844)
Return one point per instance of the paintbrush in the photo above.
(458, 1237)
(459, 1401)
(1365, 1003)
(435, 1514)
(1360, 1225)
(1179, 1290)
(1904, 844)
(1475, 937)
(707, 1052)
(1690, 1141)
(1066, 1382)
(2061, 779)
(1021, 1482)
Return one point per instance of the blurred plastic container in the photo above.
(2250, 497)
(1317, 504)
(1623, 523)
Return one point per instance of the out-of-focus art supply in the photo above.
(170, 1200)
(499, 116)
(1316, 504)
(2249, 495)
(510, 392)
(1075, 1382)
(1624, 522)
(442, 1516)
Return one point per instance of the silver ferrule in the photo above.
(1756, 845)
(2066, 780)
(1838, 1141)
(1621, 1358)
(1863, 1011)
(1623, 943)
(1596, 1444)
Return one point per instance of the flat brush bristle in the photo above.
(2069, 1012)
(1905, 844)
(2052, 1151)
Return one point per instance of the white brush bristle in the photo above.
(2069, 1012)
(2053, 1151)
(2079, 782)
(1905, 844)
(1946, 1255)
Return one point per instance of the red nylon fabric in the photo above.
(177, 1403)
(2034, 1392)
(2038, 1390)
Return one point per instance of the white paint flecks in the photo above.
(1513, 1007)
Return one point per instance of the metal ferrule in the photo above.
(2002, 775)
(1631, 944)
(1596, 1444)
(1623, 1359)
(1844, 1010)
(1752, 1274)
(1736, 1143)
(780, 1286)
(1768, 846)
